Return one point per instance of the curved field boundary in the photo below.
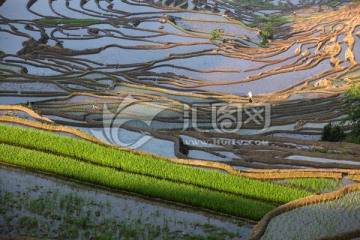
(268, 174)
(310, 171)
(301, 31)
(120, 169)
(155, 167)
(101, 187)
(264, 174)
(144, 185)
(260, 228)
(355, 177)
(26, 110)
(343, 236)
(293, 174)
(215, 165)
(254, 174)
(52, 128)
(344, 171)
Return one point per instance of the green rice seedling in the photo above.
(144, 185)
(148, 165)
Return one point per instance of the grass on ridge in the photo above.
(312, 184)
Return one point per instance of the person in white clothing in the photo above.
(250, 97)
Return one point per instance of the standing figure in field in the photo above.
(250, 97)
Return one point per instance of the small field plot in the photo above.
(46, 207)
(318, 220)
(312, 184)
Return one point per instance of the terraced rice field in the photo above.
(171, 78)
(89, 64)
(312, 184)
(82, 212)
(148, 176)
(323, 219)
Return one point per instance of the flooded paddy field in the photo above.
(325, 219)
(171, 78)
(62, 208)
(153, 70)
